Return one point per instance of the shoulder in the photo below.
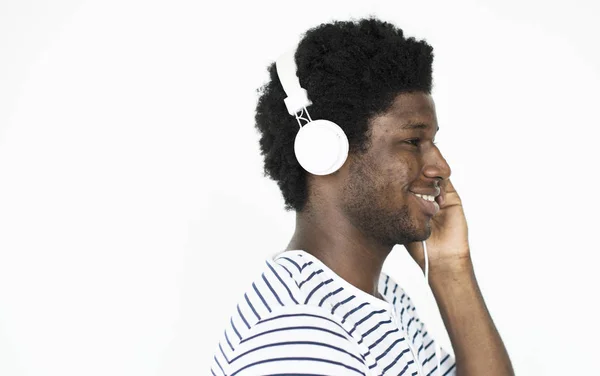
(291, 339)
(272, 289)
(284, 285)
(279, 326)
(298, 338)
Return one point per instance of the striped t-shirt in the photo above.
(299, 317)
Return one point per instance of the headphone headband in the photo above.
(297, 97)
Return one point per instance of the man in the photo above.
(323, 305)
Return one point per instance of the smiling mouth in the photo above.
(428, 204)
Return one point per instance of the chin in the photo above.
(418, 232)
(423, 231)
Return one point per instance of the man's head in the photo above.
(370, 80)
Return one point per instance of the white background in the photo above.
(133, 209)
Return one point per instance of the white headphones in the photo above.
(321, 146)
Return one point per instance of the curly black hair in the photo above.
(352, 71)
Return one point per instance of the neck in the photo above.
(341, 247)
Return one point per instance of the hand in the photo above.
(448, 245)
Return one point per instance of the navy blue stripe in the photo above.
(223, 353)
(271, 288)
(395, 288)
(329, 295)
(341, 303)
(432, 370)
(316, 288)
(382, 338)
(251, 306)
(442, 362)
(445, 358)
(389, 348)
(242, 316)
(227, 338)
(234, 329)
(307, 315)
(298, 343)
(299, 315)
(286, 269)
(310, 277)
(292, 328)
(215, 358)
(283, 283)
(374, 328)
(305, 265)
(387, 278)
(292, 261)
(352, 311)
(365, 319)
(299, 358)
(449, 369)
(420, 349)
(261, 297)
(405, 368)
(408, 325)
(429, 344)
(415, 336)
(395, 360)
(211, 371)
(428, 359)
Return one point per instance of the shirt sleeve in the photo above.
(429, 361)
(298, 340)
(424, 344)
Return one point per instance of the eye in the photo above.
(416, 142)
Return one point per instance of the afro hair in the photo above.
(352, 71)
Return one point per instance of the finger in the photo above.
(448, 187)
(451, 196)
(447, 191)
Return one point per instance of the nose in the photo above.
(435, 166)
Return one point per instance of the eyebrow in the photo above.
(411, 125)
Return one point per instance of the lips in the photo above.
(436, 192)
(429, 207)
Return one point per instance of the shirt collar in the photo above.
(350, 288)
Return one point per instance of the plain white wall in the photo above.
(130, 173)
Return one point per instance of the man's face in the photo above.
(377, 196)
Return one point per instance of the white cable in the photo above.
(426, 263)
(437, 346)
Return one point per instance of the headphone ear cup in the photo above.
(321, 147)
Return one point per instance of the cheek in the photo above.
(401, 174)
(399, 178)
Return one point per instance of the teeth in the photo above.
(425, 197)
